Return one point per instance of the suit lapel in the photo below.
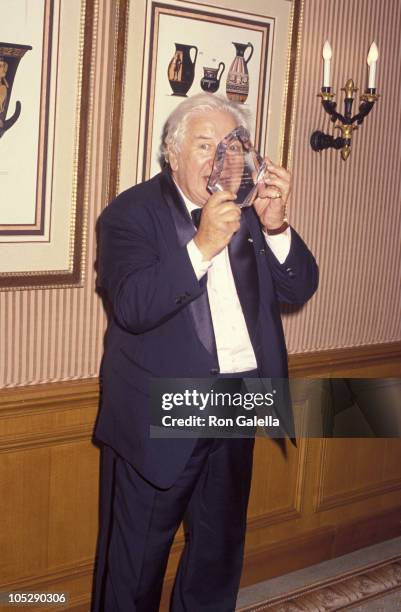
(198, 309)
(182, 219)
(244, 267)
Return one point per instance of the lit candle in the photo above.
(326, 63)
(372, 59)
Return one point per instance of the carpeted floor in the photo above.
(368, 580)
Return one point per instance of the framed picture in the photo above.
(44, 80)
(191, 47)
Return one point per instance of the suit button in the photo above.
(214, 371)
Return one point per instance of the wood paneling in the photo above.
(310, 503)
(356, 469)
(48, 488)
(270, 501)
(369, 361)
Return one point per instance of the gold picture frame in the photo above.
(156, 26)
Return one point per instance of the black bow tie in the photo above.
(196, 216)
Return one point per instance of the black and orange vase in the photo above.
(237, 86)
(10, 56)
(181, 69)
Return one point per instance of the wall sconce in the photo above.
(346, 122)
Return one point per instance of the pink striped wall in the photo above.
(349, 212)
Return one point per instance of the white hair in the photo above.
(176, 124)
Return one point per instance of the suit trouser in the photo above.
(212, 495)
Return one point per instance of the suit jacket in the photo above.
(160, 324)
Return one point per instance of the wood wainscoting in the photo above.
(314, 502)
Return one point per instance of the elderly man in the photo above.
(186, 302)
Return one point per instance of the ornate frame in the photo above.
(141, 77)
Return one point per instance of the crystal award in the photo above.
(237, 167)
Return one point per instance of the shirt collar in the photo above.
(190, 205)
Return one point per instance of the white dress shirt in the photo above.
(234, 348)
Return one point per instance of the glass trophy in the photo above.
(237, 167)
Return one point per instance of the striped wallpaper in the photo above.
(349, 213)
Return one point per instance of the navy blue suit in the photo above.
(160, 324)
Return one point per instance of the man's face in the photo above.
(192, 164)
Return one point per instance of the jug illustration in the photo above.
(181, 69)
(237, 86)
(10, 56)
(210, 81)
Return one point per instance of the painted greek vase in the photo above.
(237, 86)
(10, 56)
(210, 81)
(181, 69)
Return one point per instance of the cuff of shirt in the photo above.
(280, 244)
(199, 265)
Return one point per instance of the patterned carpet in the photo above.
(341, 592)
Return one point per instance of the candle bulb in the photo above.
(326, 63)
(372, 59)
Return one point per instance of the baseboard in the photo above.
(74, 580)
(342, 591)
(279, 558)
(319, 545)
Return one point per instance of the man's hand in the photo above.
(272, 197)
(219, 221)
